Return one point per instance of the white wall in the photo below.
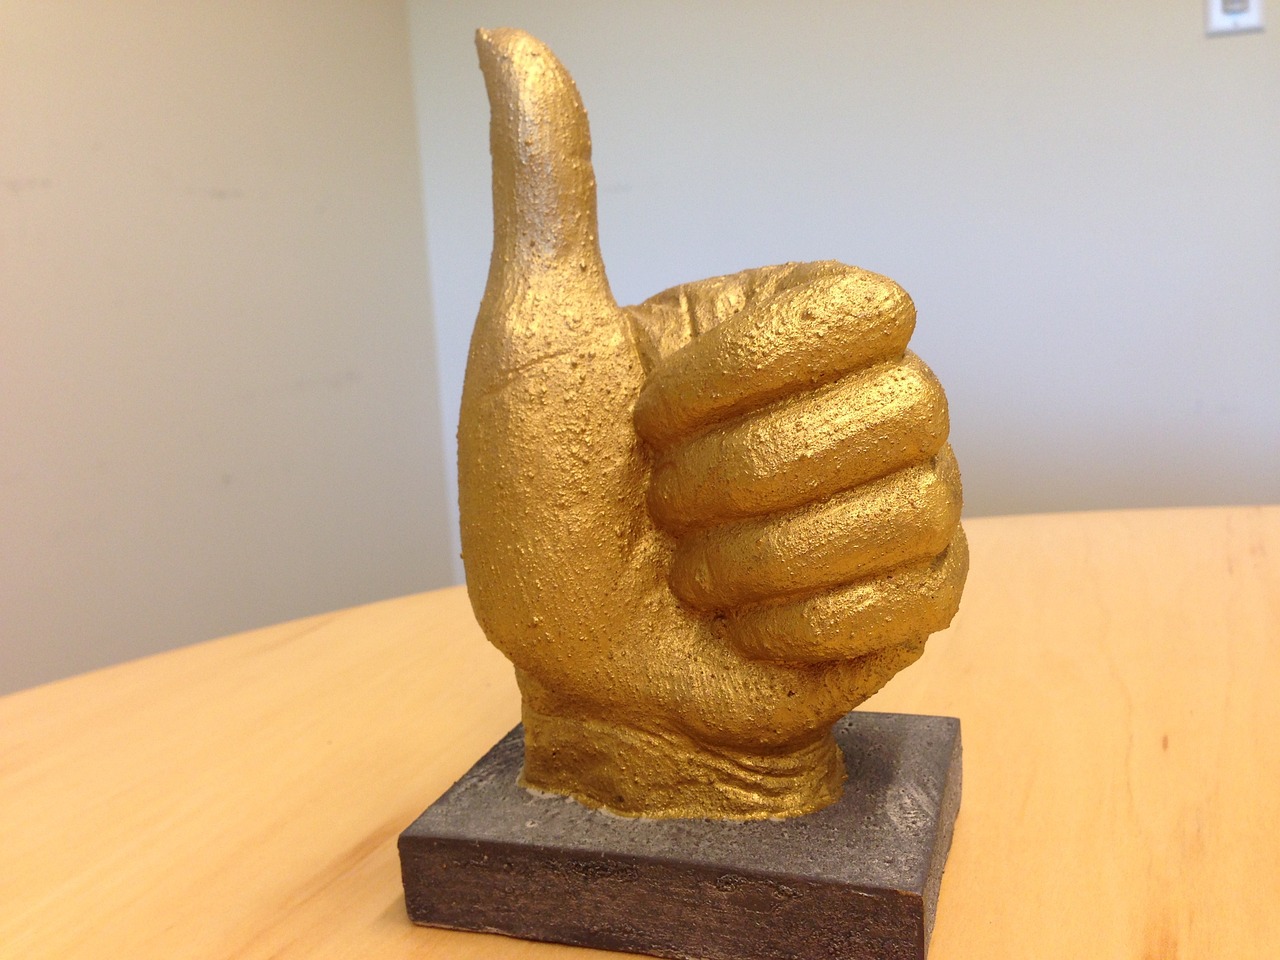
(217, 391)
(1082, 197)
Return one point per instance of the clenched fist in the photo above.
(702, 528)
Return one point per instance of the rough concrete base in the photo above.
(858, 879)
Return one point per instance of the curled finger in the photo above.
(906, 604)
(908, 516)
(800, 337)
(804, 449)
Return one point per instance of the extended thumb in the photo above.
(544, 188)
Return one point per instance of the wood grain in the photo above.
(1116, 674)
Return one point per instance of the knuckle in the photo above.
(922, 403)
(859, 293)
(938, 509)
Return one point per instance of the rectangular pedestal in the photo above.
(858, 879)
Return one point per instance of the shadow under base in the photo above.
(858, 879)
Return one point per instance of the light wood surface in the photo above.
(1117, 676)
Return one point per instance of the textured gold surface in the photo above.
(702, 528)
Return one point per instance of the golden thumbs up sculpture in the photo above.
(702, 528)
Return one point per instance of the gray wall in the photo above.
(1082, 197)
(217, 381)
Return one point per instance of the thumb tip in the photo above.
(506, 43)
(520, 70)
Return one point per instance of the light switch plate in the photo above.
(1232, 16)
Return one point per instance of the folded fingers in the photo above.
(800, 461)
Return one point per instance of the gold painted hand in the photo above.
(702, 528)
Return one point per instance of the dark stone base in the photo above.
(858, 879)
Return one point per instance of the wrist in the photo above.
(644, 772)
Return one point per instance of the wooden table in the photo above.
(1117, 675)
